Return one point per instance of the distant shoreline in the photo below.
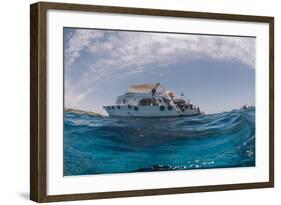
(78, 111)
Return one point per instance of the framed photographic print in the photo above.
(134, 102)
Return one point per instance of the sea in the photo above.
(107, 145)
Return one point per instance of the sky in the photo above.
(217, 73)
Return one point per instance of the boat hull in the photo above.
(147, 111)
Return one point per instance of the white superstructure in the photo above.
(151, 100)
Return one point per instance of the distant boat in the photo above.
(151, 100)
(245, 107)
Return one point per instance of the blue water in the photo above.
(100, 145)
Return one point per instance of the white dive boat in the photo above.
(151, 100)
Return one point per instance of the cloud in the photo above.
(119, 54)
(73, 98)
(121, 50)
(77, 42)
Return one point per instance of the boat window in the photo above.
(154, 101)
(147, 102)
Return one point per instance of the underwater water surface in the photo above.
(103, 145)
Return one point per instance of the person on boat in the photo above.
(153, 91)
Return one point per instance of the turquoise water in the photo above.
(102, 145)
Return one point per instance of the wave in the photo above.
(100, 145)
